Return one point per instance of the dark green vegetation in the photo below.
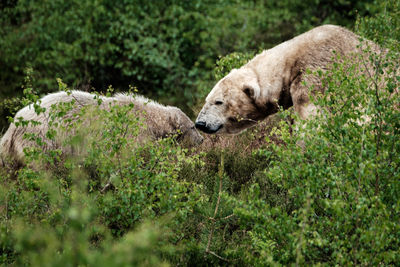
(334, 200)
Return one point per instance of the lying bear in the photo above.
(159, 121)
(275, 78)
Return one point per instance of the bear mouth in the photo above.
(207, 129)
(213, 130)
(216, 129)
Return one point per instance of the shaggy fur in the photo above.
(275, 78)
(160, 120)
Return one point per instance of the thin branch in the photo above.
(106, 186)
(216, 255)
(212, 219)
(227, 217)
(209, 238)
(220, 188)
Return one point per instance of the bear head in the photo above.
(235, 104)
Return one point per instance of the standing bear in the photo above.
(159, 121)
(276, 78)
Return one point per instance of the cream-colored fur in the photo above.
(160, 121)
(275, 78)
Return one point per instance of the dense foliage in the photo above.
(326, 192)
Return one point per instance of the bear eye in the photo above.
(218, 102)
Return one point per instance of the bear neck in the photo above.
(274, 77)
(283, 65)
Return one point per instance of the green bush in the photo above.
(342, 184)
(79, 207)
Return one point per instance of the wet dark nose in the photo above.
(201, 125)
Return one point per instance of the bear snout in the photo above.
(204, 127)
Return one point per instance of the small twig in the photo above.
(223, 234)
(209, 238)
(378, 118)
(217, 219)
(77, 100)
(212, 219)
(7, 217)
(120, 166)
(220, 174)
(227, 217)
(106, 186)
(216, 255)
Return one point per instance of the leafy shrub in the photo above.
(77, 206)
(342, 184)
(382, 28)
(334, 199)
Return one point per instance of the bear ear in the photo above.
(249, 91)
(253, 92)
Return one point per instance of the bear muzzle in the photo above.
(210, 129)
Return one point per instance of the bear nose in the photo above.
(201, 125)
